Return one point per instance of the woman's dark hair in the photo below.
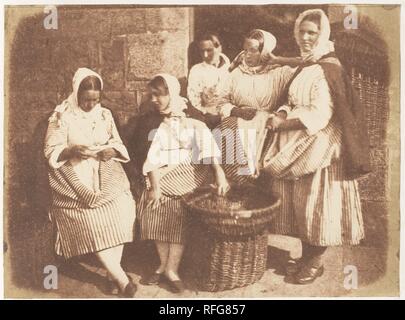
(89, 83)
(211, 37)
(158, 83)
(313, 17)
(257, 35)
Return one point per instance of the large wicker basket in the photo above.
(237, 214)
(229, 247)
(223, 263)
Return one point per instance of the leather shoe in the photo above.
(111, 287)
(293, 266)
(129, 291)
(308, 274)
(175, 286)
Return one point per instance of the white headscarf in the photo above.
(323, 45)
(269, 43)
(71, 103)
(177, 103)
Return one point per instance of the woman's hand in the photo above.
(275, 121)
(106, 154)
(222, 184)
(153, 197)
(79, 152)
(246, 113)
(309, 58)
(272, 59)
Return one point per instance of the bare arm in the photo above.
(154, 194)
(220, 179)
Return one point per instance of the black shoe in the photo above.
(293, 266)
(129, 291)
(175, 286)
(308, 274)
(111, 287)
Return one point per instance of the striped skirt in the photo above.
(240, 161)
(320, 208)
(168, 222)
(87, 230)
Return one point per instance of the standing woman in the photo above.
(175, 165)
(320, 147)
(206, 78)
(249, 96)
(92, 207)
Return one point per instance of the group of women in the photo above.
(310, 148)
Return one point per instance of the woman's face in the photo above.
(88, 99)
(160, 102)
(208, 52)
(252, 52)
(308, 35)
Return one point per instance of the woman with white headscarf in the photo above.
(92, 208)
(250, 95)
(178, 152)
(320, 147)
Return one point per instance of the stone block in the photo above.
(113, 64)
(165, 51)
(137, 85)
(170, 19)
(88, 22)
(128, 21)
(175, 18)
(175, 53)
(145, 57)
(153, 20)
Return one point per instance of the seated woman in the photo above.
(175, 165)
(319, 149)
(250, 95)
(93, 208)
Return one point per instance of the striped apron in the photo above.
(90, 221)
(317, 204)
(240, 149)
(168, 222)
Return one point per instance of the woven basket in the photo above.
(374, 96)
(228, 216)
(223, 263)
(229, 248)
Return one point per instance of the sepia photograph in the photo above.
(201, 151)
